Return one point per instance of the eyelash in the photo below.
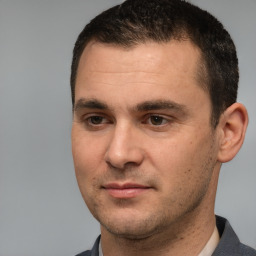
(146, 121)
(149, 120)
(90, 123)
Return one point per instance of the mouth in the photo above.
(125, 191)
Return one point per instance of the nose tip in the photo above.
(120, 160)
(123, 150)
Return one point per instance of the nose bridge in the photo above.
(123, 146)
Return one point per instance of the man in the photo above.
(154, 85)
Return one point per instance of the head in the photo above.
(136, 22)
(153, 87)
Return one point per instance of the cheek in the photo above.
(181, 161)
(87, 150)
(171, 157)
(86, 159)
(86, 165)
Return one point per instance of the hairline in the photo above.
(201, 77)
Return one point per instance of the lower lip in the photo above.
(126, 193)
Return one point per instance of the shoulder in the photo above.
(86, 253)
(246, 250)
(94, 251)
(229, 242)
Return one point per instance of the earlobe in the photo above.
(232, 125)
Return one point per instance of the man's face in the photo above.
(144, 151)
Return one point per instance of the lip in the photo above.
(126, 190)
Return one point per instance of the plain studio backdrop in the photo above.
(41, 210)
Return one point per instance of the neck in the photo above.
(173, 241)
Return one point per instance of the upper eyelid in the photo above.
(104, 120)
(164, 116)
(86, 117)
(94, 113)
(140, 116)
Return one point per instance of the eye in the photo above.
(96, 120)
(157, 120)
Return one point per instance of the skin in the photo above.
(141, 117)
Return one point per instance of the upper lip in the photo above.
(123, 186)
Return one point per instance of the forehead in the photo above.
(152, 57)
(169, 70)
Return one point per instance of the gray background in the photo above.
(41, 210)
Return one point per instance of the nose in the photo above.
(124, 148)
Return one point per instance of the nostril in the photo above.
(132, 157)
(129, 166)
(117, 165)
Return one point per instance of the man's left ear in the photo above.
(232, 125)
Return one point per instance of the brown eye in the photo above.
(157, 120)
(95, 120)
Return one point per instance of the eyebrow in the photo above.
(141, 107)
(90, 104)
(161, 105)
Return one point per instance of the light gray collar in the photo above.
(100, 249)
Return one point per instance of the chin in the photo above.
(133, 227)
(129, 232)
